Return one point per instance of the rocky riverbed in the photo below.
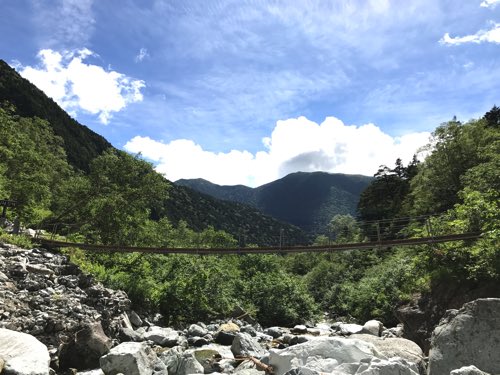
(55, 319)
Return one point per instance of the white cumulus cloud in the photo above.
(77, 86)
(489, 36)
(490, 3)
(296, 144)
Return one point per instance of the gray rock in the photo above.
(208, 358)
(468, 336)
(246, 345)
(127, 334)
(468, 370)
(135, 319)
(125, 321)
(225, 338)
(39, 268)
(274, 332)
(250, 330)
(189, 365)
(84, 351)
(299, 329)
(298, 340)
(129, 358)
(302, 371)
(23, 354)
(394, 331)
(196, 330)
(172, 358)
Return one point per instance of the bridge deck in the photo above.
(265, 250)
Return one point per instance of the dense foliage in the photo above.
(80, 143)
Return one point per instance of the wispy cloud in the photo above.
(296, 144)
(143, 53)
(77, 86)
(65, 24)
(482, 36)
(490, 3)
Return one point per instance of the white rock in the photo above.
(373, 327)
(395, 347)
(468, 370)
(348, 328)
(378, 366)
(162, 336)
(322, 354)
(23, 354)
(131, 358)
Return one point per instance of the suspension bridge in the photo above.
(376, 234)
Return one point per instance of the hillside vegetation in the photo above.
(82, 153)
(120, 199)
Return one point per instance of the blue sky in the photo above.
(247, 91)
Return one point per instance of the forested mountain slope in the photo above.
(80, 143)
(61, 171)
(307, 200)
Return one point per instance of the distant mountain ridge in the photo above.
(308, 200)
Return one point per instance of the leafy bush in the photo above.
(18, 240)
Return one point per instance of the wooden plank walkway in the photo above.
(264, 250)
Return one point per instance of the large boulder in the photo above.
(321, 354)
(424, 313)
(396, 347)
(130, 358)
(468, 336)
(340, 356)
(22, 354)
(84, 351)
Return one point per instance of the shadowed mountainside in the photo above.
(307, 200)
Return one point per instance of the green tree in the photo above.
(455, 148)
(113, 203)
(345, 229)
(32, 164)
